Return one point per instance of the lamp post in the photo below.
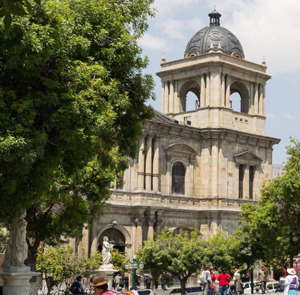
(251, 276)
(133, 265)
(297, 266)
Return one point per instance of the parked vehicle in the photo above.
(146, 292)
(271, 287)
(196, 290)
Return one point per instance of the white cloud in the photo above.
(268, 28)
(284, 116)
(290, 116)
(167, 7)
(265, 28)
(151, 42)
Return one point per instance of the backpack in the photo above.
(203, 277)
(293, 284)
(75, 288)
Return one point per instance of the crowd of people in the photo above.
(232, 284)
(229, 284)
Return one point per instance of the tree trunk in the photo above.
(182, 285)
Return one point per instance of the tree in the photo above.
(179, 255)
(72, 101)
(9, 8)
(58, 266)
(220, 251)
(274, 223)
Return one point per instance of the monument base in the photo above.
(16, 280)
(106, 272)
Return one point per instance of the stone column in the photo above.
(133, 235)
(141, 164)
(202, 93)
(207, 93)
(150, 229)
(166, 98)
(214, 169)
(171, 97)
(222, 92)
(163, 105)
(156, 165)
(139, 234)
(256, 99)
(149, 163)
(228, 96)
(84, 242)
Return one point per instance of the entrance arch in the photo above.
(115, 237)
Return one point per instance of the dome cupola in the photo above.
(214, 39)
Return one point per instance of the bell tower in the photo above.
(214, 68)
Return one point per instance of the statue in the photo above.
(106, 255)
(17, 248)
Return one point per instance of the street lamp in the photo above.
(251, 277)
(133, 266)
(297, 266)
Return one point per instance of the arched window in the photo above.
(192, 101)
(178, 178)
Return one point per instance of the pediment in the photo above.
(180, 151)
(162, 118)
(247, 158)
(180, 148)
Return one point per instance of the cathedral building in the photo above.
(195, 167)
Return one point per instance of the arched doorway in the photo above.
(115, 237)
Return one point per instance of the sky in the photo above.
(267, 29)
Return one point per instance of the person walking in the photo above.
(291, 283)
(205, 279)
(212, 289)
(117, 281)
(223, 279)
(263, 275)
(77, 287)
(238, 287)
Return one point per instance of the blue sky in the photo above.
(267, 29)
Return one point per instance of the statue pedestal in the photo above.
(16, 280)
(106, 271)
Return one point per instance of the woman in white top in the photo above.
(291, 283)
(237, 281)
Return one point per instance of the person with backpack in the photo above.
(205, 279)
(291, 283)
(223, 279)
(77, 287)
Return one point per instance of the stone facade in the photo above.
(194, 169)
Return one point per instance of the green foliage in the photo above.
(273, 226)
(10, 8)
(118, 260)
(60, 265)
(3, 239)
(219, 251)
(72, 100)
(179, 255)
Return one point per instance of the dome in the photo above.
(214, 39)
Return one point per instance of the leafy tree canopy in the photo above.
(179, 255)
(10, 8)
(72, 100)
